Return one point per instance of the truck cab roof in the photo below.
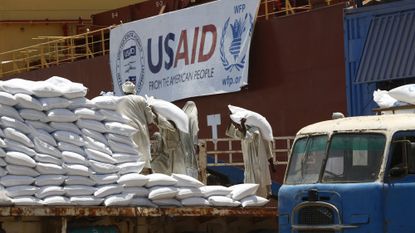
(393, 122)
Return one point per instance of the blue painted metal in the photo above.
(357, 36)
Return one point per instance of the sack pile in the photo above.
(59, 148)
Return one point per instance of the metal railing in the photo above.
(64, 49)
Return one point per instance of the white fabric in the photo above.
(16, 124)
(95, 135)
(61, 115)
(118, 200)
(132, 179)
(105, 178)
(167, 202)
(33, 115)
(119, 147)
(160, 180)
(27, 200)
(120, 128)
(142, 202)
(66, 126)
(64, 146)
(223, 201)
(50, 169)
(54, 102)
(91, 124)
(70, 157)
(195, 201)
(43, 147)
(91, 143)
(111, 115)
(45, 180)
(215, 190)
(7, 99)
(68, 88)
(79, 180)
(44, 136)
(49, 190)
(21, 190)
(405, 93)
(78, 190)
(137, 191)
(162, 192)
(56, 200)
(77, 170)
(69, 137)
(27, 101)
(99, 156)
(106, 190)
(254, 201)
(40, 125)
(80, 102)
(125, 158)
(188, 192)
(12, 145)
(186, 181)
(103, 168)
(130, 167)
(11, 180)
(86, 200)
(45, 158)
(18, 158)
(106, 102)
(18, 137)
(10, 112)
(252, 119)
(241, 191)
(87, 113)
(171, 112)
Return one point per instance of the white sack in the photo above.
(119, 138)
(160, 180)
(125, 158)
(253, 201)
(45, 148)
(55, 102)
(21, 190)
(170, 112)
(79, 180)
(131, 167)
(80, 102)
(50, 169)
(107, 190)
(188, 192)
(64, 146)
(27, 200)
(69, 137)
(17, 136)
(119, 147)
(12, 145)
(167, 202)
(86, 200)
(18, 85)
(195, 201)
(79, 190)
(61, 115)
(105, 178)
(49, 190)
(99, 156)
(162, 192)
(45, 158)
(120, 128)
(252, 119)
(137, 191)
(16, 124)
(88, 113)
(142, 202)
(66, 126)
(223, 201)
(91, 143)
(27, 101)
(11, 112)
(102, 168)
(45, 89)
(44, 136)
(33, 115)
(21, 159)
(2, 145)
(77, 170)
(92, 125)
(70, 157)
(3, 171)
(405, 93)
(118, 200)
(40, 125)
(106, 102)
(240, 191)
(56, 200)
(132, 179)
(68, 88)
(45, 180)
(95, 135)
(7, 99)
(111, 115)
(2, 164)
(215, 190)
(186, 181)
(4, 199)
(11, 180)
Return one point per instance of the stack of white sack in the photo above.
(252, 119)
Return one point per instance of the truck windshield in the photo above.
(354, 158)
(306, 160)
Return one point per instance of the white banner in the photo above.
(201, 50)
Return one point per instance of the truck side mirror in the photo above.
(398, 171)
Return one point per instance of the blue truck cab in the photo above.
(354, 174)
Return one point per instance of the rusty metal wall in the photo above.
(296, 77)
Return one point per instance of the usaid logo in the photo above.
(130, 61)
(237, 28)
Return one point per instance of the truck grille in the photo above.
(314, 215)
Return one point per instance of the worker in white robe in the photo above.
(135, 108)
(190, 140)
(172, 148)
(257, 155)
(160, 162)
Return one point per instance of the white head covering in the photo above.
(191, 111)
(128, 88)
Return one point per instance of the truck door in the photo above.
(399, 184)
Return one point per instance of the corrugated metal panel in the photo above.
(389, 52)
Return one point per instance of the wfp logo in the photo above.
(130, 61)
(238, 29)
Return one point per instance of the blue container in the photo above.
(376, 40)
